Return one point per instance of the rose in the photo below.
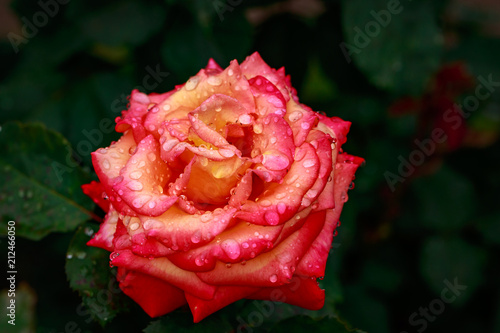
(222, 189)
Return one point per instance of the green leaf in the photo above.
(25, 300)
(129, 22)
(490, 228)
(40, 182)
(398, 50)
(88, 272)
(301, 324)
(447, 259)
(183, 322)
(446, 200)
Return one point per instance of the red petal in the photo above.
(224, 296)
(163, 269)
(303, 292)
(97, 192)
(155, 296)
(314, 261)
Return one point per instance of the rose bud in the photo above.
(222, 189)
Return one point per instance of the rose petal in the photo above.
(281, 201)
(273, 141)
(143, 179)
(224, 296)
(314, 261)
(254, 65)
(303, 292)
(334, 126)
(198, 88)
(104, 237)
(300, 120)
(323, 144)
(272, 268)
(163, 269)
(268, 98)
(107, 164)
(179, 230)
(155, 296)
(97, 193)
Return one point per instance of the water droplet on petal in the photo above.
(136, 174)
(152, 156)
(271, 217)
(105, 164)
(305, 125)
(245, 119)
(135, 185)
(273, 278)
(258, 128)
(309, 163)
(134, 226)
(281, 207)
(226, 152)
(191, 83)
(265, 203)
(196, 237)
(231, 248)
(214, 81)
(294, 116)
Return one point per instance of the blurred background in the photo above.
(419, 243)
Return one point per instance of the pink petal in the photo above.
(143, 179)
(281, 201)
(272, 268)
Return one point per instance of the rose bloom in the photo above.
(224, 188)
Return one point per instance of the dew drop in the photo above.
(134, 226)
(214, 81)
(273, 278)
(105, 164)
(305, 125)
(272, 217)
(136, 175)
(134, 185)
(231, 248)
(245, 119)
(309, 163)
(196, 237)
(281, 207)
(226, 152)
(152, 156)
(294, 116)
(191, 83)
(258, 128)
(265, 203)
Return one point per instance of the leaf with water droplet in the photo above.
(36, 169)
